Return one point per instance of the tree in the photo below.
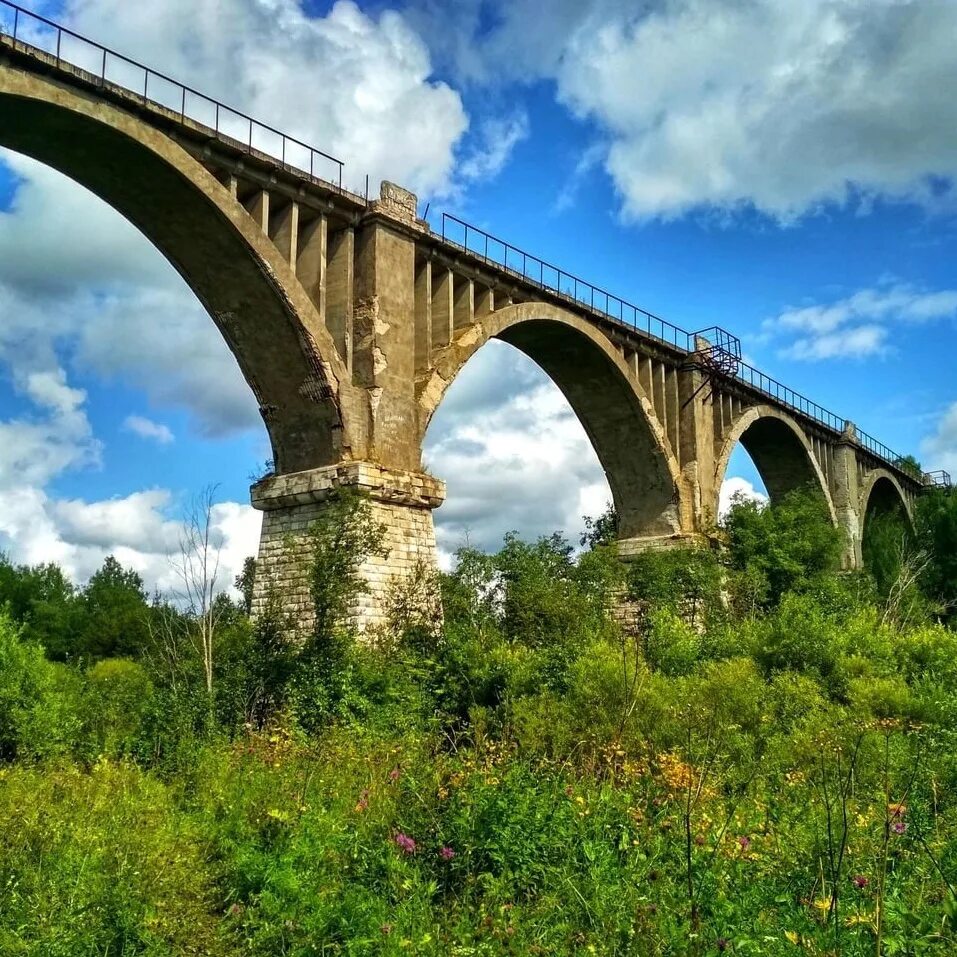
(246, 583)
(344, 537)
(115, 623)
(197, 568)
(784, 546)
(936, 532)
(44, 602)
(602, 530)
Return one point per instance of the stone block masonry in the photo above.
(402, 501)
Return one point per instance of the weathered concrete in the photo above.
(350, 319)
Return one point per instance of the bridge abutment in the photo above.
(401, 501)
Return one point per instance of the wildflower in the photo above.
(446, 853)
(363, 803)
(722, 943)
(699, 840)
(386, 929)
(236, 910)
(744, 841)
(394, 774)
(860, 881)
(405, 843)
(896, 809)
(898, 827)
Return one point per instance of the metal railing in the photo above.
(106, 66)
(937, 479)
(551, 278)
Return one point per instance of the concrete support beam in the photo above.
(484, 301)
(340, 291)
(443, 306)
(284, 232)
(311, 263)
(463, 306)
(401, 501)
(672, 408)
(258, 207)
(423, 317)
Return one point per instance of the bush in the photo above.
(39, 701)
(118, 701)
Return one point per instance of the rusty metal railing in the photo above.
(109, 67)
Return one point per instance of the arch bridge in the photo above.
(350, 317)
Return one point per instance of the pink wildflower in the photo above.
(394, 774)
(860, 881)
(446, 853)
(744, 841)
(898, 827)
(405, 843)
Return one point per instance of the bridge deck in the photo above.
(204, 125)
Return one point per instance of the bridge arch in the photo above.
(780, 451)
(267, 319)
(882, 494)
(602, 391)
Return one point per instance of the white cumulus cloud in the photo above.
(775, 105)
(858, 325)
(148, 429)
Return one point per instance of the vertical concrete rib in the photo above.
(673, 406)
(258, 207)
(661, 402)
(340, 291)
(442, 306)
(284, 232)
(463, 306)
(423, 316)
(484, 301)
(643, 365)
(311, 262)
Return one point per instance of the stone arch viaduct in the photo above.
(350, 318)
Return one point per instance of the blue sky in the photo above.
(785, 171)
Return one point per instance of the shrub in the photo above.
(39, 701)
(118, 699)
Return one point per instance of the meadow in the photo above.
(735, 749)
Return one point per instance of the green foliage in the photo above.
(787, 546)
(686, 580)
(769, 775)
(39, 701)
(102, 862)
(936, 522)
(118, 701)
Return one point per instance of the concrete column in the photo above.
(423, 317)
(340, 291)
(284, 232)
(258, 207)
(845, 494)
(401, 501)
(464, 302)
(484, 301)
(443, 308)
(311, 262)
